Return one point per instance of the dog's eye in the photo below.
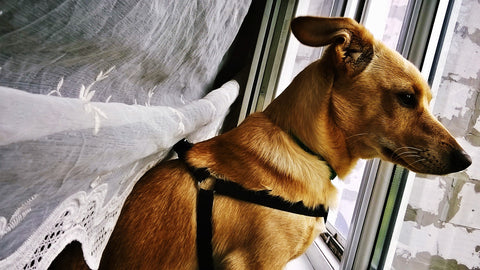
(407, 100)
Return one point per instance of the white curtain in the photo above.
(92, 95)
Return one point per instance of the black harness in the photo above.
(233, 190)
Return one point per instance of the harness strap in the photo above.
(235, 191)
(204, 229)
(204, 209)
(262, 197)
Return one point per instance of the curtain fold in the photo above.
(92, 95)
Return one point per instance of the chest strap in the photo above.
(235, 191)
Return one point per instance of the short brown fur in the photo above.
(351, 104)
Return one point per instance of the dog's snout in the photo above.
(459, 160)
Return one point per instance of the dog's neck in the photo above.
(308, 103)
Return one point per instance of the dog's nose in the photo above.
(459, 160)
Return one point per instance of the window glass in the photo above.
(395, 22)
(441, 226)
(385, 19)
(298, 57)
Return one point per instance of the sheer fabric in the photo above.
(92, 95)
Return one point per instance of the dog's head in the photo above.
(379, 100)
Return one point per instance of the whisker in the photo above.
(407, 153)
(420, 160)
(407, 148)
(411, 156)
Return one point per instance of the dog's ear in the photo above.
(353, 44)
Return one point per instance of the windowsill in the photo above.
(321, 257)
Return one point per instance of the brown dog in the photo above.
(360, 100)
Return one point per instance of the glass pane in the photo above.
(348, 189)
(441, 226)
(298, 57)
(385, 20)
(393, 27)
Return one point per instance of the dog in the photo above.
(360, 100)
